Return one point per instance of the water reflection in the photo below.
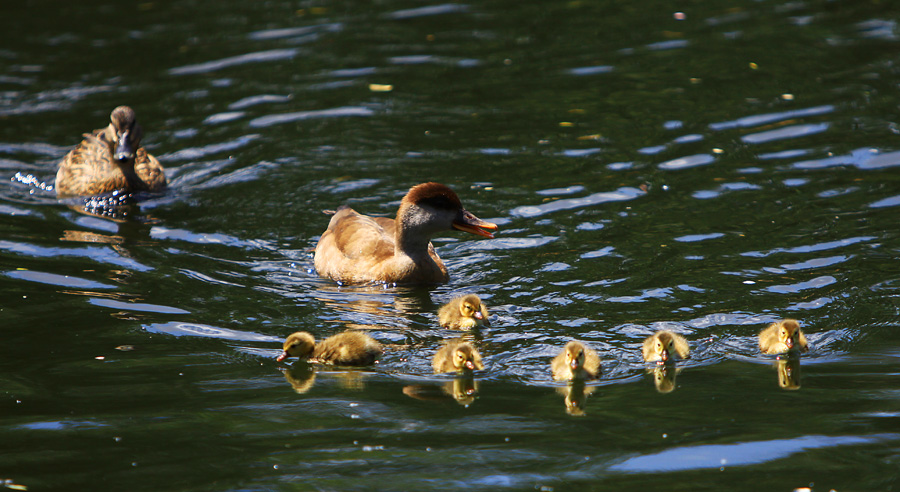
(664, 377)
(575, 396)
(788, 369)
(463, 388)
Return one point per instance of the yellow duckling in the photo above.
(350, 348)
(464, 312)
(110, 159)
(781, 337)
(456, 356)
(575, 361)
(663, 345)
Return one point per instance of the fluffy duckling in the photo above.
(781, 337)
(457, 356)
(575, 361)
(110, 159)
(357, 248)
(663, 345)
(350, 348)
(464, 312)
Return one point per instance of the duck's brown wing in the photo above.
(88, 169)
(353, 237)
(149, 171)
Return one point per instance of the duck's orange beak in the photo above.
(664, 356)
(478, 315)
(284, 355)
(469, 365)
(466, 221)
(789, 342)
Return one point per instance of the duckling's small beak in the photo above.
(574, 364)
(284, 355)
(478, 315)
(124, 152)
(466, 221)
(789, 342)
(469, 365)
(664, 355)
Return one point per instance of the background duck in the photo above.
(781, 337)
(357, 248)
(464, 312)
(110, 159)
(663, 345)
(575, 361)
(350, 348)
(457, 356)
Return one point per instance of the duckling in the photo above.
(456, 356)
(357, 248)
(664, 344)
(782, 336)
(110, 159)
(575, 361)
(350, 348)
(464, 312)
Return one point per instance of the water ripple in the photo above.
(278, 119)
(256, 57)
(621, 194)
(786, 132)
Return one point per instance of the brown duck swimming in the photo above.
(110, 159)
(464, 312)
(350, 348)
(575, 361)
(664, 345)
(781, 337)
(457, 356)
(357, 248)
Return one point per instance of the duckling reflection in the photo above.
(575, 361)
(783, 337)
(664, 377)
(350, 348)
(575, 393)
(301, 377)
(663, 346)
(463, 389)
(788, 372)
(464, 312)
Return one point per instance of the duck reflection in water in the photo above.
(788, 369)
(575, 394)
(301, 377)
(464, 312)
(664, 377)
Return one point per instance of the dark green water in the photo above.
(707, 175)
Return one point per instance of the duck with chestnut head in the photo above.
(110, 159)
(464, 312)
(783, 337)
(350, 348)
(575, 361)
(357, 248)
(665, 346)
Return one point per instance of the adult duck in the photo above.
(110, 159)
(357, 248)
